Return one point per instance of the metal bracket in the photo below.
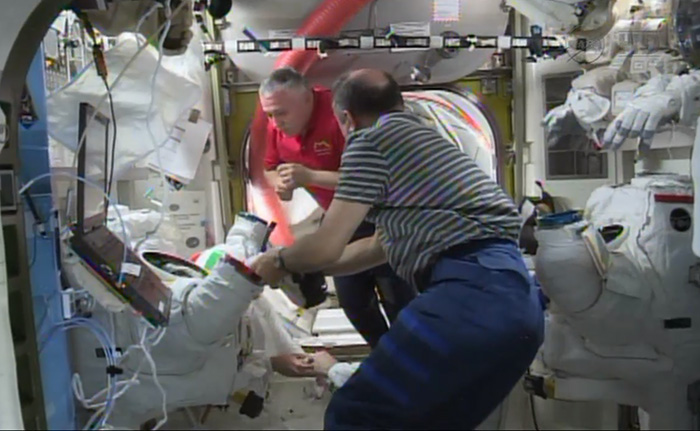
(694, 275)
(538, 45)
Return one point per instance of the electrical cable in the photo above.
(158, 335)
(34, 245)
(114, 144)
(91, 184)
(532, 407)
(532, 411)
(104, 408)
(154, 372)
(156, 146)
(108, 348)
(145, 16)
(92, 402)
(102, 72)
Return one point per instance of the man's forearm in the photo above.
(357, 257)
(324, 247)
(307, 254)
(325, 179)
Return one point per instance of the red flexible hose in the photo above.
(327, 20)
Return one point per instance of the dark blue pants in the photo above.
(454, 353)
(357, 295)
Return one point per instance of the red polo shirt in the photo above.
(319, 148)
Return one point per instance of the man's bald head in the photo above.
(367, 94)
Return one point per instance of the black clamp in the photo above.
(252, 405)
(535, 44)
(114, 371)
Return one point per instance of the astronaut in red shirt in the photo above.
(304, 149)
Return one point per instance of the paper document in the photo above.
(188, 210)
(181, 154)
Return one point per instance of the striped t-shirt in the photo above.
(426, 194)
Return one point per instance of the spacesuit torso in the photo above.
(627, 316)
(215, 350)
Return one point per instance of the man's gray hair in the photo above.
(283, 78)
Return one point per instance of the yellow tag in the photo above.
(550, 387)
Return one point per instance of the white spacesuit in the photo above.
(217, 346)
(625, 330)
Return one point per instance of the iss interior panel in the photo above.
(280, 18)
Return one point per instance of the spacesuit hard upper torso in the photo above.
(636, 295)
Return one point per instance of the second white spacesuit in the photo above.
(624, 331)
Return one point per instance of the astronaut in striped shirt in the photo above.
(456, 351)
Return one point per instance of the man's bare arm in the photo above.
(325, 179)
(359, 256)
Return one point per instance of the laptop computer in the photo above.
(102, 253)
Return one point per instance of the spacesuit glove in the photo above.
(652, 104)
(556, 120)
(341, 372)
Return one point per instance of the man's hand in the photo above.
(285, 193)
(294, 365)
(294, 175)
(284, 190)
(265, 265)
(323, 362)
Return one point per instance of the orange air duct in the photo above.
(327, 20)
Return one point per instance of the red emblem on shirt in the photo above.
(322, 148)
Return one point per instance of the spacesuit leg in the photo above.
(454, 353)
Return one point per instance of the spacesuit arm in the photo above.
(213, 308)
(277, 339)
(587, 105)
(688, 86)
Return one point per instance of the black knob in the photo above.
(219, 8)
